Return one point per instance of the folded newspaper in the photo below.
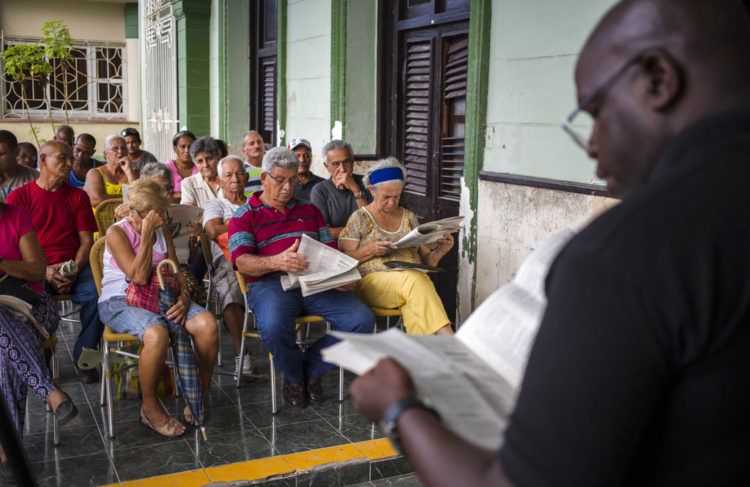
(472, 379)
(328, 269)
(430, 232)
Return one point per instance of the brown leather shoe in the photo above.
(314, 390)
(294, 394)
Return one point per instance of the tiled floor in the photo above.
(240, 427)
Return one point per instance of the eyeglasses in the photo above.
(116, 149)
(279, 181)
(338, 164)
(584, 119)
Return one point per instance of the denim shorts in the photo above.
(122, 318)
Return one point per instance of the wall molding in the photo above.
(545, 183)
(338, 64)
(281, 50)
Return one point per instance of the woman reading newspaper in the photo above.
(369, 237)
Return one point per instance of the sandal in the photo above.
(169, 429)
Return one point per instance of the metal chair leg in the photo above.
(274, 408)
(238, 372)
(341, 384)
(108, 382)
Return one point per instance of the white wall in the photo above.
(534, 45)
(92, 21)
(308, 74)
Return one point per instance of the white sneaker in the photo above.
(247, 365)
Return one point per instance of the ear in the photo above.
(665, 79)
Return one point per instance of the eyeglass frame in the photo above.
(602, 87)
(292, 180)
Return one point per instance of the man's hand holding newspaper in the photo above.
(327, 268)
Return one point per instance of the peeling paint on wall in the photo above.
(514, 220)
(466, 258)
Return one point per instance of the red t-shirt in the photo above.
(15, 222)
(57, 216)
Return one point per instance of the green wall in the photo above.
(362, 75)
(534, 46)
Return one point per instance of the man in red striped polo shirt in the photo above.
(264, 236)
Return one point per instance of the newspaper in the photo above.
(430, 232)
(180, 218)
(328, 269)
(472, 379)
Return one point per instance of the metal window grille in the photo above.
(89, 84)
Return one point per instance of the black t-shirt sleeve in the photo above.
(594, 376)
(318, 198)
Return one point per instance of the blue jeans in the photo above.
(84, 293)
(275, 311)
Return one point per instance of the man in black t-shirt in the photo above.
(640, 372)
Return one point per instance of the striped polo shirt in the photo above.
(259, 229)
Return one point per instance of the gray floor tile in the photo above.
(74, 443)
(262, 417)
(89, 470)
(354, 428)
(310, 435)
(231, 447)
(410, 480)
(152, 460)
(228, 419)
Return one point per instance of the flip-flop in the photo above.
(168, 429)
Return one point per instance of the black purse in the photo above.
(18, 288)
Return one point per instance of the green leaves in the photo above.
(26, 62)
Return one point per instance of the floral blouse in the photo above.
(362, 228)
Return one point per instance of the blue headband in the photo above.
(386, 174)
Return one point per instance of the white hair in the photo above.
(220, 165)
(382, 164)
(279, 157)
(108, 140)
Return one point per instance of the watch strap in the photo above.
(394, 412)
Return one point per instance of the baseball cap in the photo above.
(294, 143)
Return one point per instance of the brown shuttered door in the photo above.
(425, 71)
(263, 69)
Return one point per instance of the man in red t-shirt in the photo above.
(64, 223)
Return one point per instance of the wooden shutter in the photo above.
(417, 81)
(455, 64)
(268, 95)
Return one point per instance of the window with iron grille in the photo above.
(89, 84)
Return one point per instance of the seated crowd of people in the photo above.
(254, 212)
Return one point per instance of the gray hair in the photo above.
(205, 144)
(220, 165)
(279, 157)
(110, 138)
(156, 170)
(381, 164)
(338, 144)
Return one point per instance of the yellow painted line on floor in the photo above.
(278, 466)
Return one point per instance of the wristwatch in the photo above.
(394, 412)
(359, 195)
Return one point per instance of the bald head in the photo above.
(55, 160)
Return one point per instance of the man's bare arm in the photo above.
(287, 261)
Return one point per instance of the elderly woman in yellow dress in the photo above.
(368, 237)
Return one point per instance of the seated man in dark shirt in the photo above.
(640, 372)
(264, 235)
(342, 194)
(306, 179)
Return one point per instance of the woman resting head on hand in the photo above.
(134, 246)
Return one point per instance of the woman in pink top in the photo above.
(182, 165)
(134, 245)
(22, 365)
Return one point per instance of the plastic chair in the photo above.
(387, 313)
(96, 260)
(301, 325)
(105, 214)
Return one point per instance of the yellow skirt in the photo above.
(410, 291)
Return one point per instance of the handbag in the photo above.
(146, 296)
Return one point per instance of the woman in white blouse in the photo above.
(203, 186)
